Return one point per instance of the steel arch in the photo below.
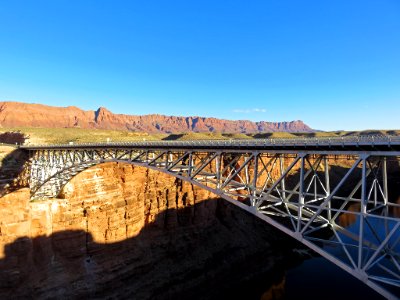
(291, 191)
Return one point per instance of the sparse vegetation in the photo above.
(78, 135)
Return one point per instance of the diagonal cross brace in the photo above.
(237, 171)
(325, 203)
(279, 180)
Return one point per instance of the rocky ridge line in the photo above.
(18, 114)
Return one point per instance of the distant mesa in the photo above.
(18, 114)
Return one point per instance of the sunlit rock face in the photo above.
(16, 114)
(127, 232)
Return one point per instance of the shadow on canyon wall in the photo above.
(236, 257)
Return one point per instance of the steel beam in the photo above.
(308, 200)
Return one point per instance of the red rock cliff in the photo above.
(119, 231)
(15, 114)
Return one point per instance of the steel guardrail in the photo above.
(358, 141)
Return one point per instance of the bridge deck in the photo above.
(343, 145)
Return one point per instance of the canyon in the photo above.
(18, 114)
(121, 231)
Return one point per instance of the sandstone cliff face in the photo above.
(15, 114)
(126, 232)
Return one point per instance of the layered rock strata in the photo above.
(119, 231)
(16, 114)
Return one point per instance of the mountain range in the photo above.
(18, 114)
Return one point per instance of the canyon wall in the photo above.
(119, 231)
(16, 114)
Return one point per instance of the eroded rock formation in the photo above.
(16, 114)
(119, 231)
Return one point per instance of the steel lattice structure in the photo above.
(333, 195)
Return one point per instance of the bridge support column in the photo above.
(363, 210)
(282, 166)
(255, 178)
(301, 192)
(218, 170)
(385, 181)
(327, 187)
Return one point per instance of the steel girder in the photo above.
(338, 205)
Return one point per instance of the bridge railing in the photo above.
(308, 141)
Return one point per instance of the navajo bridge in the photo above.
(337, 196)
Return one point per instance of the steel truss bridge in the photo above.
(334, 195)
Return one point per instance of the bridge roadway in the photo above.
(337, 196)
(332, 144)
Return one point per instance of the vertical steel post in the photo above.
(190, 164)
(32, 163)
(385, 193)
(327, 186)
(38, 166)
(218, 170)
(247, 175)
(166, 159)
(385, 181)
(283, 185)
(63, 159)
(301, 192)
(255, 176)
(363, 211)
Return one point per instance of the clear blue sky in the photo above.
(332, 64)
